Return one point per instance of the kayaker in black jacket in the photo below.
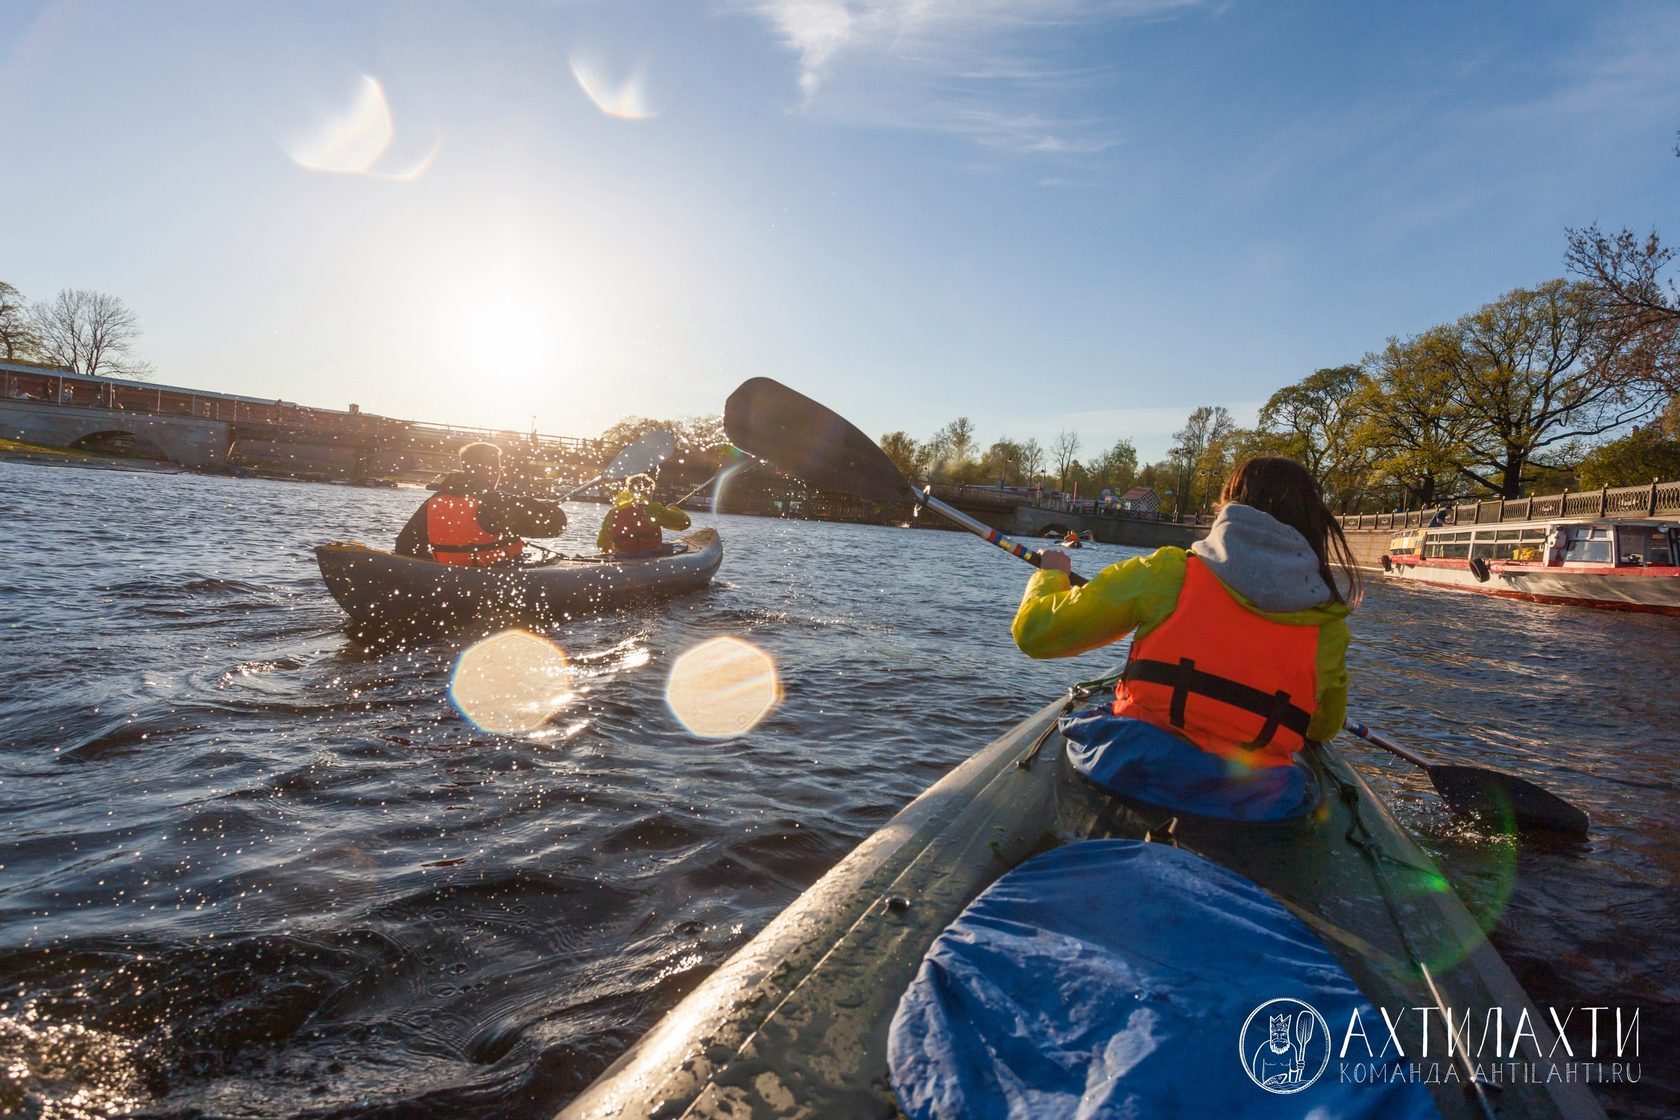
(470, 522)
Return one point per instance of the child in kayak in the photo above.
(632, 527)
(1238, 652)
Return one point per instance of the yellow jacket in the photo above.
(662, 515)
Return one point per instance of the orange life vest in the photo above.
(633, 530)
(1236, 684)
(453, 531)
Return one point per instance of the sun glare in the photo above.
(508, 342)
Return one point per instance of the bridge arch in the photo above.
(115, 441)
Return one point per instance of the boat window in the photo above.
(1643, 545)
(1587, 545)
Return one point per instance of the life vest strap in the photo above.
(1184, 678)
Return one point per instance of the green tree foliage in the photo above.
(1643, 454)
(1002, 463)
(1410, 428)
(1114, 469)
(907, 455)
(1517, 370)
(18, 337)
(1201, 457)
(1647, 452)
(1316, 422)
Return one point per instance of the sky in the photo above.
(1083, 215)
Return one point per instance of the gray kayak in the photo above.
(382, 590)
(795, 1024)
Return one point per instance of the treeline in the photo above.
(78, 330)
(954, 455)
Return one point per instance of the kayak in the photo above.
(382, 590)
(797, 1022)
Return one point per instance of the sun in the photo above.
(508, 342)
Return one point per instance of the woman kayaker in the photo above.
(632, 527)
(1238, 655)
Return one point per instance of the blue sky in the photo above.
(1047, 215)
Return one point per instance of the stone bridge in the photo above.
(188, 440)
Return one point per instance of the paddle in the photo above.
(1477, 792)
(650, 449)
(810, 442)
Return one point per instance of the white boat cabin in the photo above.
(1556, 544)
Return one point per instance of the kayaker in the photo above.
(470, 521)
(632, 527)
(1238, 656)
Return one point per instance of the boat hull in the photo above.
(795, 1024)
(1653, 591)
(380, 591)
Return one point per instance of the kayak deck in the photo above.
(795, 1024)
(379, 589)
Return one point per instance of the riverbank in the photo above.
(17, 451)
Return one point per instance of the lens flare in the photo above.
(723, 687)
(356, 138)
(624, 99)
(511, 683)
(734, 460)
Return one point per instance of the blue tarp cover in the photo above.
(1115, 978)
(1140, 761)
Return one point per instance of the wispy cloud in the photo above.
(990, 70)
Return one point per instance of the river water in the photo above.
(249, 869)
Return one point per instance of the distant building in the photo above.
(1139, 499)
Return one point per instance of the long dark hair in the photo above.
(1282, 487)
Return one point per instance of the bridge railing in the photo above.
(1657, 499)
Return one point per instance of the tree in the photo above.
(1201, 452)
(692, 435)
(18, 337)
(1410, 428)
(907, 455)
(1115, 468)
(1032, 462)
(1642, 455)
(88, 332)
(1318, 419)
(1062, 452)
(1639, 338)
(949, 450)
(1002, 461)
(1518, 370)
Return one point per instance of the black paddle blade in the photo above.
(1490, 795)
(799, 436)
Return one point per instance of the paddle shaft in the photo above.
(580, 489)
(980, 529)
(1372, 737)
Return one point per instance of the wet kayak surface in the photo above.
(251, 869)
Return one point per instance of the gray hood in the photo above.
(1263, 560)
